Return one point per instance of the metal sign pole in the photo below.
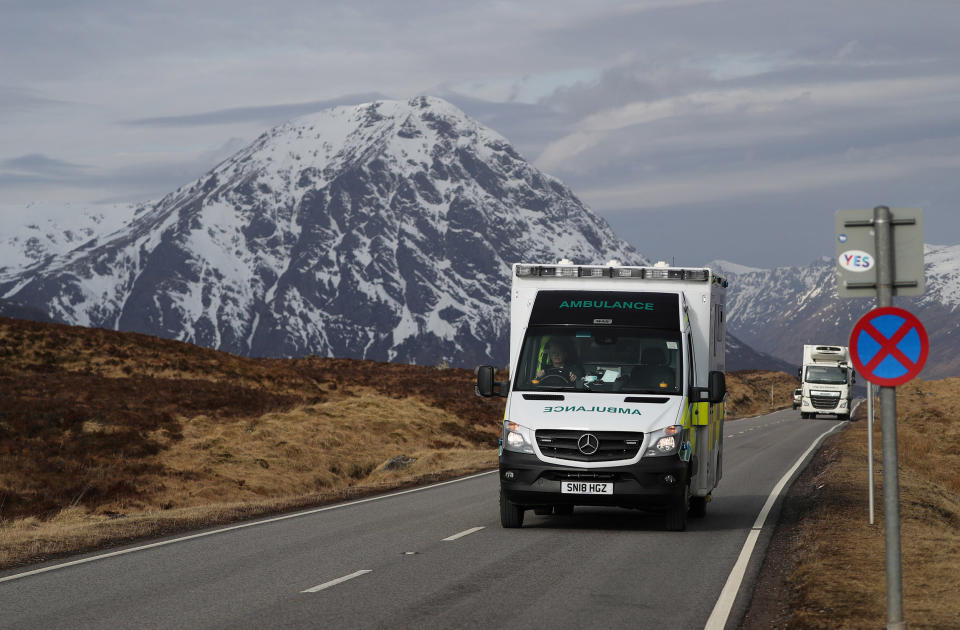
(882, 220)
(870, 445)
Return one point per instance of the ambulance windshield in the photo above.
(603, 360)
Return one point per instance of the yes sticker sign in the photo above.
(856, 260)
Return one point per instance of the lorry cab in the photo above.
(616, 390)
(827, 379)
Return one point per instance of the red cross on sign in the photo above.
(889, 346)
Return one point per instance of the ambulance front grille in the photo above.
(610, 445)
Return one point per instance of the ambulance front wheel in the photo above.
(511, 515)
(675, 518)
(698, 507)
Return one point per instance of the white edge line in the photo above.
(234, 527)
(721, 611)
(337, 581)
(463, 533)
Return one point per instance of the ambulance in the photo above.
(616, 390)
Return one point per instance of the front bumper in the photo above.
(646, 484)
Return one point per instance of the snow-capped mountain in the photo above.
(33, 232)
(778, 310)
(382, 231)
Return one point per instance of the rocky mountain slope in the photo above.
(778, 310)
(382, 231)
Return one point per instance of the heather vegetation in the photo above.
(109, 437)
(826, 567)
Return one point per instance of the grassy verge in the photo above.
(832, 561)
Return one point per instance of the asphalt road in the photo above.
(433, 558)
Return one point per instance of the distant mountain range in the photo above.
(776, 311)
(382, 231)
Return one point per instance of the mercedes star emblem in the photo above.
(588, 444)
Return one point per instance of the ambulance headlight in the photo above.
(843, 404)
(517, 438)
(665, 441)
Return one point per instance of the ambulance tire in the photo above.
(698, 507)
(675, 519)
(511, 515)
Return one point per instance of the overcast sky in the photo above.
(698, 129)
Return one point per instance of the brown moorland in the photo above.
(756, 392)
(108, 437)
(826, 566)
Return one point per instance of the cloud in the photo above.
(261, 113)
(798, 176)
(748, 104)
(39, 164)
(16, 100)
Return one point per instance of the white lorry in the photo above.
(617, 390)
(826, 381)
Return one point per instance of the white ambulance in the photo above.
(616, 391)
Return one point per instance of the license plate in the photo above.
(586, 487)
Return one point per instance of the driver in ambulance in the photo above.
(558, 363)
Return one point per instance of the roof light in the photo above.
(594, 272)
(614, 271)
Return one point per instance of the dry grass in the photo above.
(109, 437)
(839, 579)
(755, 392)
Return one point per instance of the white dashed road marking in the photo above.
(339, 580)
(463, 533)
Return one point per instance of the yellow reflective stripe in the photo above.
(701, 415)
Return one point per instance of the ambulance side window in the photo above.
(718, 330)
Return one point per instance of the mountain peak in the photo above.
(384, 230)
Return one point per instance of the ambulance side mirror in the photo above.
(714, 393)
(486, 386)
